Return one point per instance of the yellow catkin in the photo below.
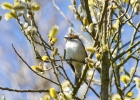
(44, 58)
(53, 93)
(19, 7)
(54, 40)
(72, 8)
(53, 31)
(90, 65)
(36, 69)
(125, 79)
(35, 6)
(6, 5)
(91, 49)
(9, 15)
(55, 51)
(85, 21)
(130, 94)
(46, 97)
(98, 56)
(89, 60)
(91, 26)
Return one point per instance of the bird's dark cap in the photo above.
(71, 36)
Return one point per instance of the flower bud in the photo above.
(55, 51)
(90, 65)
(53, 31)
(36, 69)
(25, 25)
(19, 7)
(76, 17)
(66, 86)
(85, 21)
(89, 60)
(46, 97)
(132, 71)
(35, 6)
(81, 16)
(137, 8)
(80, 9)
(9, 15)
(53, 93)
(40, 65)
(83, 28)
(91, 49)
(45, 58)
(125, 79)
(72, 8)
(98, 56)
(91, 26)
(130, 94)
(73, 2)
(54, 40)
(6, 5)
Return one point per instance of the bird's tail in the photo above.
(76, 80)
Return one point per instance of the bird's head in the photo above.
(71, 37)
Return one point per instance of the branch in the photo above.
(80, 81)
(32, 91)
(88, 15)
(137, 37)
(53, 60)
(105, 65)
(132, 76)
(89, 85)
(16, 90)
(116, 83)
(130, 89)
(134, 34)
(55, 5)
(123, 53)
(93, 90)
(32, 69)
(67, 78)
(127, 58)
(103, 13)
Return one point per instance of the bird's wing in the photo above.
(72, 67)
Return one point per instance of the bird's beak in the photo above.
(66, 37)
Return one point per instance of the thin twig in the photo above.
(123, 53)
(55, 5)
(131, 77)
(93, 90)
(89, 85)
(31, 68)
(16, 90)
(65, 60)
(131, 89)
(67, 78)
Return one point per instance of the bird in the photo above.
(75, 51)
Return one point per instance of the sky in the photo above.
(14, 73)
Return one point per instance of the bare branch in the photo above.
(31, 68)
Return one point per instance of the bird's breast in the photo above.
(75, 51)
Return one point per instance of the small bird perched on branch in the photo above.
(75, 50)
